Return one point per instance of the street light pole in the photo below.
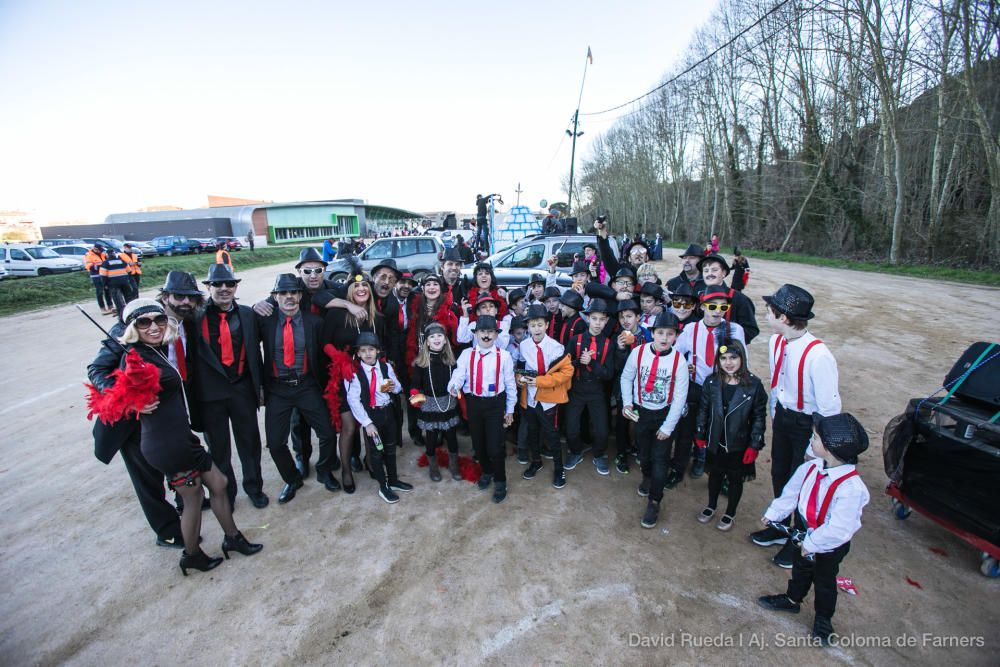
(576, 123)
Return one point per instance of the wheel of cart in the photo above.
(901, 511)
(989, 565)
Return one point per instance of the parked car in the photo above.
(171, 245)
(446, 236)
(232, 243)
(3, 273)
(76, 252)
(513, 266)
(144, 249)
(51, 243)
(202, 245)
(35, 260)
(417, 254)
(105, 242)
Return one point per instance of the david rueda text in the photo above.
(691, 640)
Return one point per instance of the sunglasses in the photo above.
(681, 303)
(287, 292)
(721, 307)
(223, 283)
(184, 297)
(310, 272)
(143, 323)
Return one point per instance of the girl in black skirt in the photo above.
(731, 422)
(438, 409)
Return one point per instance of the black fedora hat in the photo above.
(486, 297)
(218, 273)
(580, 267)
(693, 250)
(628, 304)
(596, 290)
(714, 257)
(536, 311)
(453, 254)
(286, 282)
(666, 320)
(625, 272)
(536, 278)
(598, 306)
(551, 293)
(309, 255)
(793, 301)
(715, 292)
(514, 296)
(684, 291)
(387, 264)
(518, 323)
(651, 289)
(366, 338)
(486, 323)
(181, 283)
(572, 299)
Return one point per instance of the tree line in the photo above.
(867, 128)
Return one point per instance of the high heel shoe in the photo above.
(198, 561)
(349, 487)
(239, 544)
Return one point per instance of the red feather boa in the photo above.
(469, 469)
(341, 368)
(444, 316)
(135, 387)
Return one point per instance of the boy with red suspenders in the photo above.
(830, 496)
(804, 381)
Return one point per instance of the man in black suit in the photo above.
(295, 377)
(227, 382)
(385, 276)
(123, 437)
(690, 272)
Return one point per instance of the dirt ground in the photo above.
(445, 576)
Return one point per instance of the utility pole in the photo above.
(575, 133)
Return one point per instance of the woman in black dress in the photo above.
(731, 422)
(167, 441)
(438, 409)
(341, 329)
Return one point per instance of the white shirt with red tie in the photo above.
(818, 391)
(375, 379)
(477, 374)
(842, 518)
(552, 351)
(700, 344)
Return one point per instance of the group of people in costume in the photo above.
(665, 365)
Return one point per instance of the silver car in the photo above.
(513, 266)
(417, 254)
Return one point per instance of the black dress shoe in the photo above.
(288, 492)
(329, 481)
(170, 542)
(259, 500)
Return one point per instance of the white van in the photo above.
(34, 260)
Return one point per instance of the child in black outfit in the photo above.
(438, 416)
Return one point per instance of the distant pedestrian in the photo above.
(250, 240)
(328, 252)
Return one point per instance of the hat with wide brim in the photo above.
(666, 320)
(486, 323)
(218, 273)
(572, 299)
(693, 250)
(309, 255)
(181, 283)
(387, 264)
(714, 257)
(536, 311)
(598, 306)
(628, 304)
(287, 282)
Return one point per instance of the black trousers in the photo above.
(307, 397)
(623, 440)
(301, 437)
(486, 428)
(542, 424)
(596, 405)
(136, 279)
(118, 294)
(99, 288)
(149, 489)
(790, 435)
(684, 438)
(407, 411)
(240, 410)
(822, 574)
(383, 463)
(653, 452)
(434, 438)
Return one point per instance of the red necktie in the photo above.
(811, 509)
(225, 341)
(402, 319)
(552, 325)
(371, 389)
(710, 349)
(479, 374)
(288, 343)
(780, 357)
(593, 348)
(651, 378)
(540, 360)
(181, 361)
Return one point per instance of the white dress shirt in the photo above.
(693, 344)
(552, 351)
(462, 379)
(666, 386)
(467, 326)
(843, 518)
(819, 376)
(354, 398)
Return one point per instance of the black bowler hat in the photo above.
(486, 297)
(580, 267)
(536, 311)
(693, 251)
(666, 320)
(842, 435)
(793, 301)
(572, 299)
(286, 282)
(715, 292)
(366, 338)
(218, 273)
(625, 272)
(596, 290)
(536, 278)
(518, 323)
(514, 296)
(629, 304)
(551, 292)
(714, 257)
(181, 283)
(591, 246)
(651, 289)
(387, 264)
(598, 306)
(453, 254)
(309, 255)
(684, 291)
(486, 323)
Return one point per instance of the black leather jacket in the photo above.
(744, 423)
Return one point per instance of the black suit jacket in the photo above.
(316, 359)
(394, 335)
(210, 380)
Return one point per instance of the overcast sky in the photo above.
(112, 106)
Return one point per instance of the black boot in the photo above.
(198, 561)
(434, 470)
(456, 474)
(240, 544)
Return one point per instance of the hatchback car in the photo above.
(513, 266)
(419, 255)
